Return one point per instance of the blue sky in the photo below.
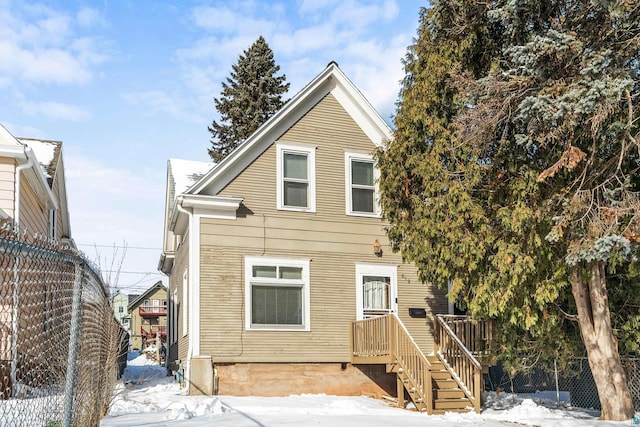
(126, 85)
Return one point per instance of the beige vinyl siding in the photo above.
(332, 289)
(332, 131)
(333, 241)
(33, 215)
(175, 282)
(7, 184)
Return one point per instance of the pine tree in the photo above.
(513, 174)
(249, 97)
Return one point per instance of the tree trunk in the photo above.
(594, 318)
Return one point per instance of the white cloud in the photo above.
(55, 110)
(157, 102)
(48, 65)
(358, 15)
(306, 40)
(312, 6)
(39, 44)
(88, 17)
(230, 21)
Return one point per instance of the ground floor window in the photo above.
(277, 293)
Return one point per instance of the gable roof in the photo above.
(48, 154)
(136, 302)
(132, 298)
(24, 154)
(182, 174)
(330, 80)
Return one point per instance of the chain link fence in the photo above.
(59, 340)
(573, 384)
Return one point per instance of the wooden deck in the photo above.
(451, 379)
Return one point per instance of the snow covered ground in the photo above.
(147, 397)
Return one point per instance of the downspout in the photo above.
(19, 169)
(192, 348)
(16, 277)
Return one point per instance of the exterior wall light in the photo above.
(377, 248)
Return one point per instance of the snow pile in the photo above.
(146, 389)
(147, 396)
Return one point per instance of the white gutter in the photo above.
(19, 169)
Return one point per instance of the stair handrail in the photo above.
(418, 368)
(400, 348)
(462, 364)
(412, 360)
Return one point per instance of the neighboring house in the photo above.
(33, 201)
(33, 192)
(273, 253)
(149, 317)
(120, 304)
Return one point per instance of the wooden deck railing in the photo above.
(476, 335)
(458, 358)
(147, 310)
(370, 339)
(385, 339)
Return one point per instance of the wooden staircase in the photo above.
(447, 395)
(448, 381)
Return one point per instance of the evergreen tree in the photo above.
(513, 174)
(250, 96)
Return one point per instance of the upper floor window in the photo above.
(296, 177)
(121, 309)
(361, 189)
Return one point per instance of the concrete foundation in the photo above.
(283, 379)
(201, 376)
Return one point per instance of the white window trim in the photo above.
(174, 317)
(310, 152)
(183, 303)
(376, 270)
(349, 156)
(249, 262)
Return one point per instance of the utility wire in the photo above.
(120, 247)
(131, 272)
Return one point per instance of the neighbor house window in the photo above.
(121, 309)
(296, 177)
(277, 293)
(360, 179)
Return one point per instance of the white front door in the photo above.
(376, 290)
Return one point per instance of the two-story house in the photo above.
(275, 253)
(148, 314)
(120, 305)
